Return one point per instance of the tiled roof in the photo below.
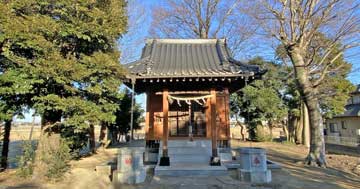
(352, 110)
(188, 58)
(357, 89)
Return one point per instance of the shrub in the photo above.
(261, 135)
(26, 160)
(54, 155)
(76, 139)
(57, 160)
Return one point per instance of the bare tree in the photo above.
(131, 42)
(296, 24)
(204, 19)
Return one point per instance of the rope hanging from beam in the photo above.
(201, 100)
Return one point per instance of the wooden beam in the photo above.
(213, 123)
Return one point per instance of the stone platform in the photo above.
(189, 158)
(190, 169)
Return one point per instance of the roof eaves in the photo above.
(154, 76)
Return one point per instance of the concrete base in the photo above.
(130, 166)
(254, 176)
(150, 157)
(225, 157)
(135, 177)
(231, 165)
(186, 169)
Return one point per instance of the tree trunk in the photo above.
(286, 131)
(6, 143)
(309, 94)
(103, 132)
(242, 127)
(299, 128)
(291, 128)
(49, 128)
(317, 143)
(306, 129)
(271, 130)
(49, 122)
(92, 138)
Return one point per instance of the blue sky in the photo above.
(354, 77)
(352, 56)
(144, 9)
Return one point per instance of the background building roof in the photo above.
(352, 110)
(357, 91)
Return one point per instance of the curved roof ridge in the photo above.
(180, 41)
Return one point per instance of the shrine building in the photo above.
(187, 83)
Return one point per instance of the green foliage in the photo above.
(62, 55)
(52, 157)
(56, 159)
(123, 115)
(61, 59)
(26, 160)
(75, 138)
(261, 135)
(262, 99)
(334, 91)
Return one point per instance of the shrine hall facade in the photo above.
(188, 83)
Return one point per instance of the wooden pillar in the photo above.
(227, 116)
(215, 160)
(165, 160)
(147, 117)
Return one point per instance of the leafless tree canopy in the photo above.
(204, 19)
(298, 23)
(314, 35)
(133, 40)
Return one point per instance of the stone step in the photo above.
(189, 159)
(187, 143)
(189, 150)
(184, 151)
(190, 169)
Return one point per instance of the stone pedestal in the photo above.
(253, 165)
(151, 156)
(130, 166)
(134, 177)
(225, 155)
(254, 176)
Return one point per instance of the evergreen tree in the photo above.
(63, 57)
(261, 101)
(123, 115)
(70, 49)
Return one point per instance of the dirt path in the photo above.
(292, 175)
